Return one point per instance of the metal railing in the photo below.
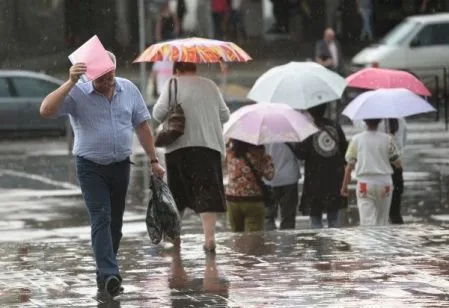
(438, 84)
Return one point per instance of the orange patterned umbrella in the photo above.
(196, 50)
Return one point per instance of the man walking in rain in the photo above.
(284, 186)
(328, 52)
(103, 114)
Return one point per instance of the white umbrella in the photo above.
(386, 103)
(263, 124)
(301, 85)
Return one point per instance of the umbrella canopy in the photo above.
(378, 78)
(263, 124)
(301, 85)
(386, 103)
(195, 50)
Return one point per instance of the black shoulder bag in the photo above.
(268, 198)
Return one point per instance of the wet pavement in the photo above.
(390, 267)
(45, 256)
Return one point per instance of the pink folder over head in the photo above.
(96, 58)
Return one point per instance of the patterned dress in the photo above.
(242, 184)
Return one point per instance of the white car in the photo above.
(419, 44)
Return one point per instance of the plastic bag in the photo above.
(163, 220)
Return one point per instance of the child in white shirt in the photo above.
(371, 153)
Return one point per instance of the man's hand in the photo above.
(76, 71)
(158, 169)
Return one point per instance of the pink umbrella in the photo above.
(269, 123)
(381, 78)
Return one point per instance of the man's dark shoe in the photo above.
(101, 288)
(113, 285)
(101, 284)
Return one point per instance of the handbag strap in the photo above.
(173, 97)
(256, 174)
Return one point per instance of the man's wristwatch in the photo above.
(154, 161)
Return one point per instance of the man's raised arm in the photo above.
(52, 102)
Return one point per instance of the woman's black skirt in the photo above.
(195, 178)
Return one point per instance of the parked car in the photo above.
(419, 44)
(21, 94)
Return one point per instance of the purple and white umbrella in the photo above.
(386, 103)
(268, 123)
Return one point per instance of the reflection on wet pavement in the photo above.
(46, 260)
(394, 266)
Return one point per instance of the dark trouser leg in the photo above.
(284, 15)
(288, 202)
(398, 189)
(271, 212)
(217, 19)
(277, 13)
(96, 193)
(333, 218)
(119, 179)
(316, 221)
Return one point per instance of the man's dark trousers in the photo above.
(285, 198)
(104, 189)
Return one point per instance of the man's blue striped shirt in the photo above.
(104, 130)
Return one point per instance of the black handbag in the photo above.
(268, 197)
(174, 124)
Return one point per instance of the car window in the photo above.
(33, 87)
(432, 35)
(4, 88)
(399, 34)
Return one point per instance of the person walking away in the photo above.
(323, 156)
(237, 22)
(398, 129)
(193, 161)
(284, 186)
(220, 10)
(365, 8)
(328, 52)
(371, 153)
(246, 206)
(167, 24)
(281, 13)
(103, 114)
(181, 11)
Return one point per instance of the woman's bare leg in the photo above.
(209, 220)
